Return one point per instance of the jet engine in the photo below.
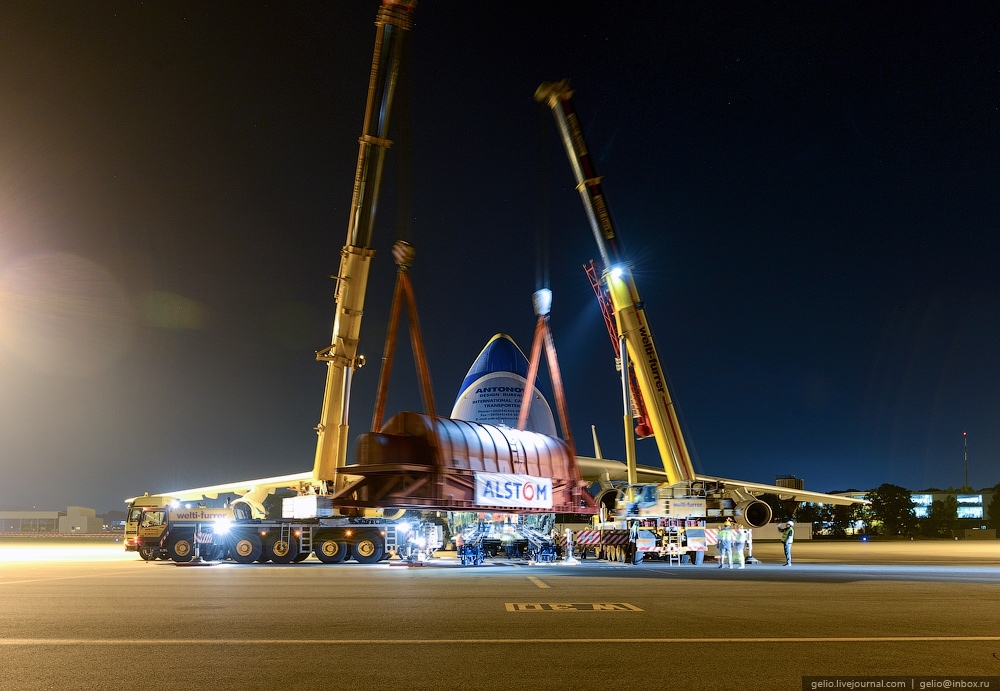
(754, 513)
(607, 503)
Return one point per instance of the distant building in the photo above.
(852, 494)
(789, 481)
(75, 519)
(30, 521)
(972, 505)
(79, 519)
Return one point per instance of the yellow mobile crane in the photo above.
(394, 22)
(632, 327)
(419, 462)
(155, 530)
(686, 499)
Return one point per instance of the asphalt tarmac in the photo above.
(92, 617)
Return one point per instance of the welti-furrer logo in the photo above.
(201, 514)
(516, 491)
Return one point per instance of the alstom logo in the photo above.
(529, 491)
(523, 491)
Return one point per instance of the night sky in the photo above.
(808, 193)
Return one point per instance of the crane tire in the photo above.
(245, 549)
(265, 550)
(331, 551)
(282, 551)
(181, 550)
(368, 549)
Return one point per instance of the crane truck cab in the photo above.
(135, 516)
(181, 533)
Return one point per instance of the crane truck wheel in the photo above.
(330, 551)
(148, 553)
(245, 549)
(282, 551)
(368, 549)
(180, 550)
(265, 550)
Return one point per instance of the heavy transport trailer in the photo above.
(671, 540)
(511, 536)
(674, 544)
(181, 534)
(675, 523)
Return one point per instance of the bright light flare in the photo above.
(63, 314)
(62, 553)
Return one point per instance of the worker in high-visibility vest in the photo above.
(788, 537)
(724, 540)
(739, 544)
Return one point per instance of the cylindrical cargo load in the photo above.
(416, 461)
(465, 445)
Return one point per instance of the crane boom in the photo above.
(630, 317)
(394, 21)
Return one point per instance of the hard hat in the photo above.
(791, 522)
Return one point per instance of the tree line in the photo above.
(889, 513)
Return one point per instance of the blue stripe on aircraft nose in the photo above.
(501, 354)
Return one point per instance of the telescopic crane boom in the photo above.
(630, 317)
(394, 21)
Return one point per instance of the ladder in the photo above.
(672, 542)
(306, 540)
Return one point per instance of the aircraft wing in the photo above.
(784, 493)
(593, 469)
(267, 484)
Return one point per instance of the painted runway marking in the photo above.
(571, 607)
(9, 642)
(540, 583)
(67, 578)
